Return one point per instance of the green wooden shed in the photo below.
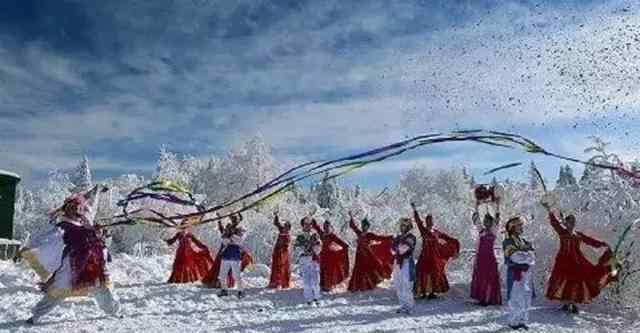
(8, 183)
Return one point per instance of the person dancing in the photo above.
(485, 283)
(334, 257)
(374, 260)
(193, 260)
(575, 280)
(519, 257)
(438, 249)
(280, 268)
(404, 271)
(79, 258)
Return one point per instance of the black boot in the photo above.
(223, 293)
(574, 309)
(241, 294)
(432, 296)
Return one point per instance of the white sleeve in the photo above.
(236, 239)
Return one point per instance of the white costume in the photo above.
(310, 247)
(522, 290)
(404, 270)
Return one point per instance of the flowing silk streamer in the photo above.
(341, 166)
(503, 167)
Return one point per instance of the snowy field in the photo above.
(150, 305)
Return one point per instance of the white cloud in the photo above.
(509, 69)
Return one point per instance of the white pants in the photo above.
(104, 298)
(520, 301)
(403, 285)
(311, 278)
(234, 267)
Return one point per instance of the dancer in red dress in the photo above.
(374, 260)
(233, 228)
(437, 249)
(574, 279)
(334, 258)
(193, 259)
(485, 283)
(280, 267)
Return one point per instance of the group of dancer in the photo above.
(70, 258)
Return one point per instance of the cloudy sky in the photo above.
(117, 79)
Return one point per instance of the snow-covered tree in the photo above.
(597, 176)
(327, 192)
(81, 177)
(534, 181)
(566, 178)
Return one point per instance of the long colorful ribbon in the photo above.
(169, 192)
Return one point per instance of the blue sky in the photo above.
(117, 79)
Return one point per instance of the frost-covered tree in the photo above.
(597, 176)
(327, 193)
(81, 176)
(566, 178)
(534, 181)
(240, 171)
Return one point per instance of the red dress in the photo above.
(280, 267)
(192, 261)
(334, 264)
(431, 270)
(374, 261)
(574, 279)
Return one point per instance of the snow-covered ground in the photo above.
(150, 305)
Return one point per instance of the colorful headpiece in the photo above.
(406, 222)
(306, 219)
(78, 199)
(513, 222)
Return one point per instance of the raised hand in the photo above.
(475, 217)
(546, 205)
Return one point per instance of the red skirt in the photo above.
(576, 280)
(280, 268)
(431, 269)
(192, 262)
(334, 266)
(373, 264)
